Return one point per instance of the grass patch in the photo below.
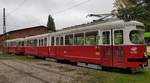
(97, 76)
(148, 54)
(115, 77)
(19, 57)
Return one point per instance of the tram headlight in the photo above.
(145, 54)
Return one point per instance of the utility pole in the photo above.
(4, 31)
(4, 21)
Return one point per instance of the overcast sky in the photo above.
(27, 13)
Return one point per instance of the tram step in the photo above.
(93, 66)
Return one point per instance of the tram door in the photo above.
(113, 52)
(107, 59)
(118, 48)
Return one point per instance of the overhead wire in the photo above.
(76, 5)
(23, 2)
(17, 8)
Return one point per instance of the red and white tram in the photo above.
(15, 46)
(115, 44)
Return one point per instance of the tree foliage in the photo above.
(51, 24)
(134, 10)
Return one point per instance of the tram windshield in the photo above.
(137, 37)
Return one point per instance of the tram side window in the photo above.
(69, 40)
(31, 43)
(57, 40)
(22, 44)
(19, 44)
(79, 39)
(147, 40)
(106, 37)
(12, 44)
(28, 43)
(61, 41)
(15, 44)
(91, 38)
(52, 41)
(137, 37)
(118, 37)
(35, 43)
(39, 42)
(45, 41)
(42, 42)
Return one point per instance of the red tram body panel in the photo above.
(43, 51)
(31, 51)
(12, 50)
(20, 50)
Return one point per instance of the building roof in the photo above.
(24, 29)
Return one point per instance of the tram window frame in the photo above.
(116, 39)
(89, 36)
(69, 40)
(108, 37)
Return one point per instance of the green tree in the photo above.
(134, 10)
(51, 24)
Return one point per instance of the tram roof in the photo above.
(93, 27)
(99, 26)
(18, 39)
(37, 36)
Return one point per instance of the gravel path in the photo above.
(18, 71)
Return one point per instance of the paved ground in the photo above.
(18, 71)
